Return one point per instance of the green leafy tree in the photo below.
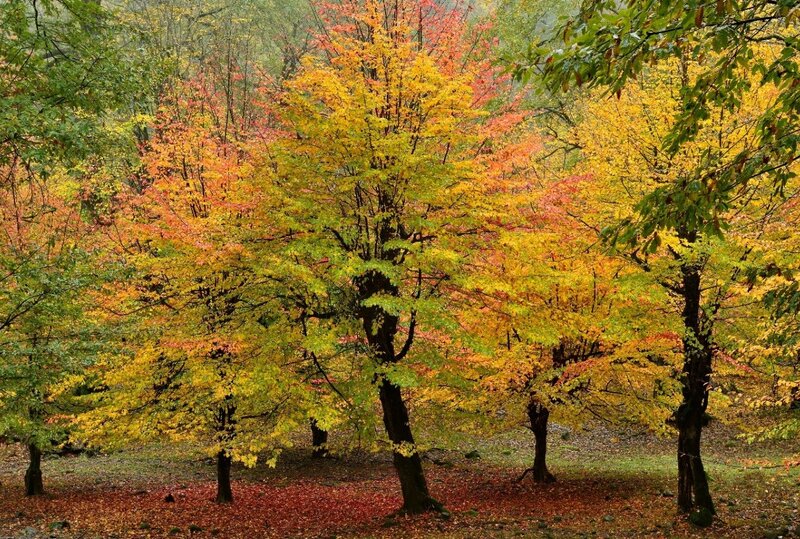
(49, 340)
(609, 44)
(62, 73)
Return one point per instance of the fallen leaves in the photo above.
(477, 499)
(597, 495)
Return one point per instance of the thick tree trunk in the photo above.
(693, 491)
(319, 441)
(33, 477)
(381, 328)
(224, 493)
(407, 462)
(539, 415)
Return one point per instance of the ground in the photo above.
(608, 486)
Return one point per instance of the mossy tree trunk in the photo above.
(381, 328)
(693, 490)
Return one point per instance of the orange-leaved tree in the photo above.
(567, 320)
(202, 365)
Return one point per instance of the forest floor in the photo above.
(608, 486)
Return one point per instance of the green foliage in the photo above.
(49, 339)
(62, 69)
(609, 45)
(62, 75)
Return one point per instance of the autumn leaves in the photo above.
(385, 232)
(288, 272)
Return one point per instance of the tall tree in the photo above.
(576, 339)
(206, 363)
(673, 242)
(49, 336)
(380, 181)
(62, 73)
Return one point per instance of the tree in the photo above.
(62, 75)
(672, 242)
(609, 45)
(379, 181)
(49, 335)
(205, 362)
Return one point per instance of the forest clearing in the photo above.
(399, 268)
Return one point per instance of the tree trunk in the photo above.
(33, 477)
(693, 491)
(224, 493)
(407, 462)
(539, 415)
(319, 441)
(380, 328)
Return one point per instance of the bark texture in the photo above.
(33, 476)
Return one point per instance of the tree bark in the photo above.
(407, 462)
(380, 328)
(539, 416)
(693, 491)
(319, 441)
(33, 477)
(224, 493)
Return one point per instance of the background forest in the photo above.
(363, 256)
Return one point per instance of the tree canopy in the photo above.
(234, 223)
